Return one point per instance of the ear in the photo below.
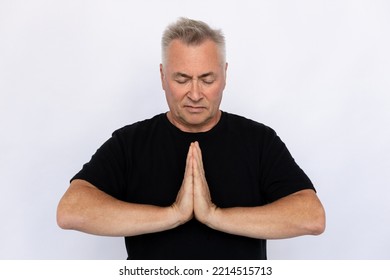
(226, 67)
(162, 76)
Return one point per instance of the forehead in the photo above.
(205, 55)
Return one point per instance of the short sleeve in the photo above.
(281, 175)
(107, 168)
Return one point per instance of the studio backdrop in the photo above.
(318, 72)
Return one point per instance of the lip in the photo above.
(194, 109)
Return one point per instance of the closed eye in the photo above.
(182, 81)
(208, 78)
(181, 78)
(208, 81)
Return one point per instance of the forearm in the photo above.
(87, 209)
(294, 215)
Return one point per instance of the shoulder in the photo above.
(139, 127)
(135, 133)
(244, 126)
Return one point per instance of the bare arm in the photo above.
(298, 214)
(86, 208)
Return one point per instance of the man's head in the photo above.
(192, 33)
(193, 74)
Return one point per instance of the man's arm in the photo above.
(300, 213)
(86, 208)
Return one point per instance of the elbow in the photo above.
(66, 219)
(317, 228)
(71, 209)
(63, 219)
(318, 223)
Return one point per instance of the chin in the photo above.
(196, 119)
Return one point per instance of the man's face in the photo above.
(193, 78)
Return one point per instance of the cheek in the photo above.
(178, 91)
(173, 93)
(216, 94)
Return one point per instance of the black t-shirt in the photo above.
(246, 164)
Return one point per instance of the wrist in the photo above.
(211, 219)
(177, 217)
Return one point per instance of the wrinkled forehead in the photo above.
(206, 53)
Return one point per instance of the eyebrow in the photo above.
(183, 75)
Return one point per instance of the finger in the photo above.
(188, 181)
(198, 150)
(198, 157)
(196, 169)
(189, 169)
(200, 183)
(184, 200)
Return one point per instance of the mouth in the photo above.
(194, 109)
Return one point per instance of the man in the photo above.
(196, 182)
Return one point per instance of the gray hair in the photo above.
(192, 33)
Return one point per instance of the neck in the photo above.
(195, 128)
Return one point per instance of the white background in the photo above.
(318, 72)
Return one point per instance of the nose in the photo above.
(195, 93)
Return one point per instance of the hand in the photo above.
(203, 206)
(184, 204)
(194, 196)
